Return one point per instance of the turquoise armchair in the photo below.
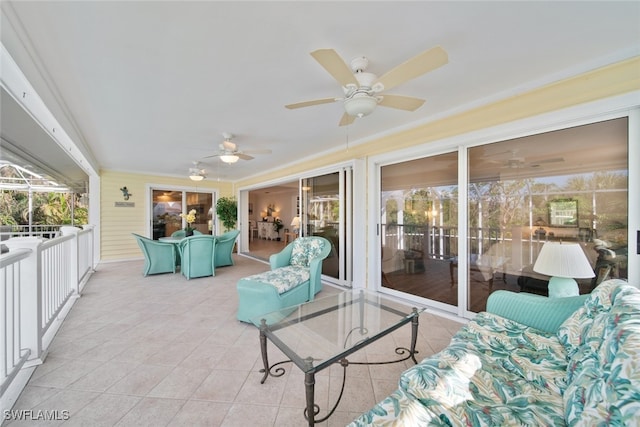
(224, 248)
(159, 257)
(196, 254)
(295, 277)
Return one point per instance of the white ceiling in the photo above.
(150, 86)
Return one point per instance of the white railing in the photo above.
(40, 281)
(38, 230)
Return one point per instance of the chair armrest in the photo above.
(282, 258)
(546, 314)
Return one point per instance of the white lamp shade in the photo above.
(196, 177)
(563, 260)
(295, 222)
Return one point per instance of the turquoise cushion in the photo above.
(283, 278)
(304, 250)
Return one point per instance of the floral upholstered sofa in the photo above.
(529, 360)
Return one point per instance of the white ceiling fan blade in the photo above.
(310, 103)
(335, 65)
(414, 67)
(346, 119)
(401, 102)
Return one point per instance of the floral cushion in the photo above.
(283, 278)
(572, 332)
(499, 372)
(494, 372)
(604, 360)
(304, 250)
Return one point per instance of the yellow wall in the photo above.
(616, 79)
(117, 223)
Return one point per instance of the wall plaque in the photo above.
(125, 204)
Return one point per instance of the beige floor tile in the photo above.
(221, 386)
(151, 412)
(242, 415)
(72, 372)
(141, 381)
(105, 410)
(33, 395)
(196, 413)
(206, 355)
(103, 377)
(269, 393)
(180, 383)
(358, 394)
(68, 400)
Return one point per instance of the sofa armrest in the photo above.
(546, 314)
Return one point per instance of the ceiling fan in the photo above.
(229, 152)
(517, 162)
(363, 90)
(195, 173)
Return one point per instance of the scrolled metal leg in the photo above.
(267, 370)
(263, 351)
(309, 387)
(414, 334)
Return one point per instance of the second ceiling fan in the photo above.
(230, 153)
(363, 90)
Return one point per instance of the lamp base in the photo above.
(562, 287)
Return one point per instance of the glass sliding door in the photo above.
(419, 227)
(570, 185)
(325, 211)
(202, 203)
(168, 204)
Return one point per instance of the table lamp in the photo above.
(565, 262)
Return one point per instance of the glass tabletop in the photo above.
(318, 333)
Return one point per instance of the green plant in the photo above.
(227, 211)
(277, 225)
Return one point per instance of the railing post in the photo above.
(73, 256)
(31, 297)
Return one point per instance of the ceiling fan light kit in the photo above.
(360, 105)
(195, 173)
(230, 153)
(229, 158)
(362, 90)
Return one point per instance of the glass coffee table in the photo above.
(319, 333)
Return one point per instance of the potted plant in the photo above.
(190, 218)
(277, 226)
(227, 211)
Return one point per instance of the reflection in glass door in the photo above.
(561, 186)
(419, 227)
(167, 205)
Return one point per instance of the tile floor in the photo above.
(166, 351)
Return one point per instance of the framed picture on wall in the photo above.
(563, 213)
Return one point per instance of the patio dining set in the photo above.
(196, 256)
